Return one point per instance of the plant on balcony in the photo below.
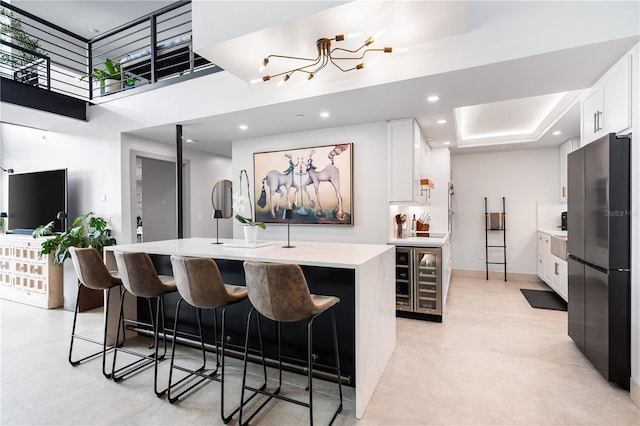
(110, 77)
(87, 230)
(12, 31)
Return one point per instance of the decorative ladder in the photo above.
(499, 226)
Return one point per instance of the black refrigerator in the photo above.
(599, 227)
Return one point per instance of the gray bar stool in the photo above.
(280, 293)
(200, 284)
(92, 273)
(139, 277)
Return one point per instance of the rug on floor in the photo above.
(543, 299)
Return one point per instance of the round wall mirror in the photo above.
(221, 197)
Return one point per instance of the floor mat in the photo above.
(543, 299)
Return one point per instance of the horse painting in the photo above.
(329, 174)
(275, 181)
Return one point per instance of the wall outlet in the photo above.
(199, 217)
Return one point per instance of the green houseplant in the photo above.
(87, 230)
(11, 29)
(111, 71)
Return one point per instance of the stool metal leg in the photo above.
(197, 372)
(275, 394)
(103, 343)
(255, 391)
(335, 345)
(310, 367)
(144, 360)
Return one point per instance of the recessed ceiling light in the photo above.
(324, 114)
(299, 115)
(190, 140)
(433, 98)
(446, 143)
(243, 127)
(442, 121)
(556, 133)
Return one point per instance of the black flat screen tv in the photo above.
(36, 198)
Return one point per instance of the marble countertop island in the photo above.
(372, 304)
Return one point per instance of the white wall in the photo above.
(99, 172)
(369, 182)
(93, 172)
(523, 177)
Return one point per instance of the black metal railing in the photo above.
(144, 51)
(147, 50)
(29, 42)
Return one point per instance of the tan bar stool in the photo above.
(139, 277)
(200, 284)
(280, 293)
(92, 273)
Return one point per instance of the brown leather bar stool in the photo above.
(139, 277)
(200, 285)
(92, 273)
(280, 293)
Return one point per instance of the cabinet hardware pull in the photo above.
(595, 126)
(564, 191)
(599, 114)
(555, 265)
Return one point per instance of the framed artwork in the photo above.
(315, 182)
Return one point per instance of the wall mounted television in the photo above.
(36, 198)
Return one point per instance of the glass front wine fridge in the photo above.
(419, 280)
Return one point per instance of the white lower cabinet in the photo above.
(551, 269)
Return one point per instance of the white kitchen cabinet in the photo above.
(551, 269)
(545, 266)
(565, 149)
(541, 256)
(405, 150)
(607, 107)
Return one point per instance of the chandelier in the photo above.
(326, 54)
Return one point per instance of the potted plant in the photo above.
(11, 30)
(110, 77)
(87, 230)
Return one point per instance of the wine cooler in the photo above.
(419, 280)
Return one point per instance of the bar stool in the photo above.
(93, 274)
(139, 277)
(200, 285)
(280, 293)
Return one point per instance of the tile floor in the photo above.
(494, 360)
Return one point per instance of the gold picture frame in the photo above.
(316, 182)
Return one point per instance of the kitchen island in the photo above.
(362, 275)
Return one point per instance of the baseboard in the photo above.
(494, 275)
(635, 391)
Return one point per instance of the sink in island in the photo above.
(362, 275)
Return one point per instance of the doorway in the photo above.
(155, 204)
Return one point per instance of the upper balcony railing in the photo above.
(150, 49)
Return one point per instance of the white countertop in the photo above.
(335, 255)
(420, 241)
(553, 232)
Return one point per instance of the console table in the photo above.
(27, 277)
